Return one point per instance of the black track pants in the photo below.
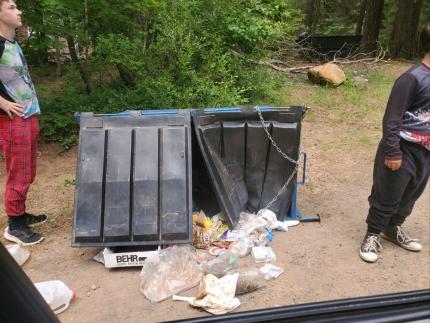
(394, 193)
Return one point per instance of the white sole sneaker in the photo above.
(12, 238)
(412, 246)
(368, 256)
(37, 224)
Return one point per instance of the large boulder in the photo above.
(327, 74)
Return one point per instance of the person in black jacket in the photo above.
(402, 162)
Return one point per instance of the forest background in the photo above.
(158, 54)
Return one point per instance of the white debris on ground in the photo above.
(214, 261)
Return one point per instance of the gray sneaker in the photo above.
(370, 247)
(399, 236)
(23, 236)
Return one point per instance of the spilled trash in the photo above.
(216, 295)
(170, 271)
(18, 253)
(216, 262)
(56, 294)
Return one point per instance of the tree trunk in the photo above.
(42, 47)
(57, 60)
(404, 37)
(83, 72)
(126, 76)
(372, 24)
(360, 18)
(313, 11)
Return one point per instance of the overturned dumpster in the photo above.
(135, 185)
(245, 168)
(133, 182)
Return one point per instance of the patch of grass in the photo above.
(350, 103)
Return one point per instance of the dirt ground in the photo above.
(320, 259)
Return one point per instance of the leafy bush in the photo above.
(177, 54)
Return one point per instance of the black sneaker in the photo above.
(399, 236)
(370, 247)
(31, 220)
(23, 236)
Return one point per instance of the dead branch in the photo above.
(352, 58)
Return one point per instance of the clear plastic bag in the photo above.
(241, 247)
(249, 280)
(248, 222)
(221, 265)
(170, 271)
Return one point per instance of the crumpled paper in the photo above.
(216, 295)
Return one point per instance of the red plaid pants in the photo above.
(18, 143)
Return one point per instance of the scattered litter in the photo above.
(201, 237)
(271, 271)
(222, 264)
(18, 253)
(202, 220)
(263, 238)
(218, 229)
(263, 254)
(248, 222)
(249, 280)
(93, 287)
(241, 247)
(233, 235)
(221, 244)
(56, 294)
(216, 251)
(272, 220)
(125, 259)
(171, 270)
(216, 295)
(202, 255)
(291, 223)
(99, 256)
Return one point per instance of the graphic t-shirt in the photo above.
(407, 115)
(15, 81)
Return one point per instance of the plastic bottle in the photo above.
(18, 253)
(56, 294)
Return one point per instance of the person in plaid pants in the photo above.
(19, 129)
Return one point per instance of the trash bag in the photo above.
(221, 265)
(170, 271)
(250, 279)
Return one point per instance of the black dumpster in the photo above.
(245, 169)
(133, 182)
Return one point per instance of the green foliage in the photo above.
(157, 54)
(68, 143)
(68, 182)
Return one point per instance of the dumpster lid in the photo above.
(133, 183)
